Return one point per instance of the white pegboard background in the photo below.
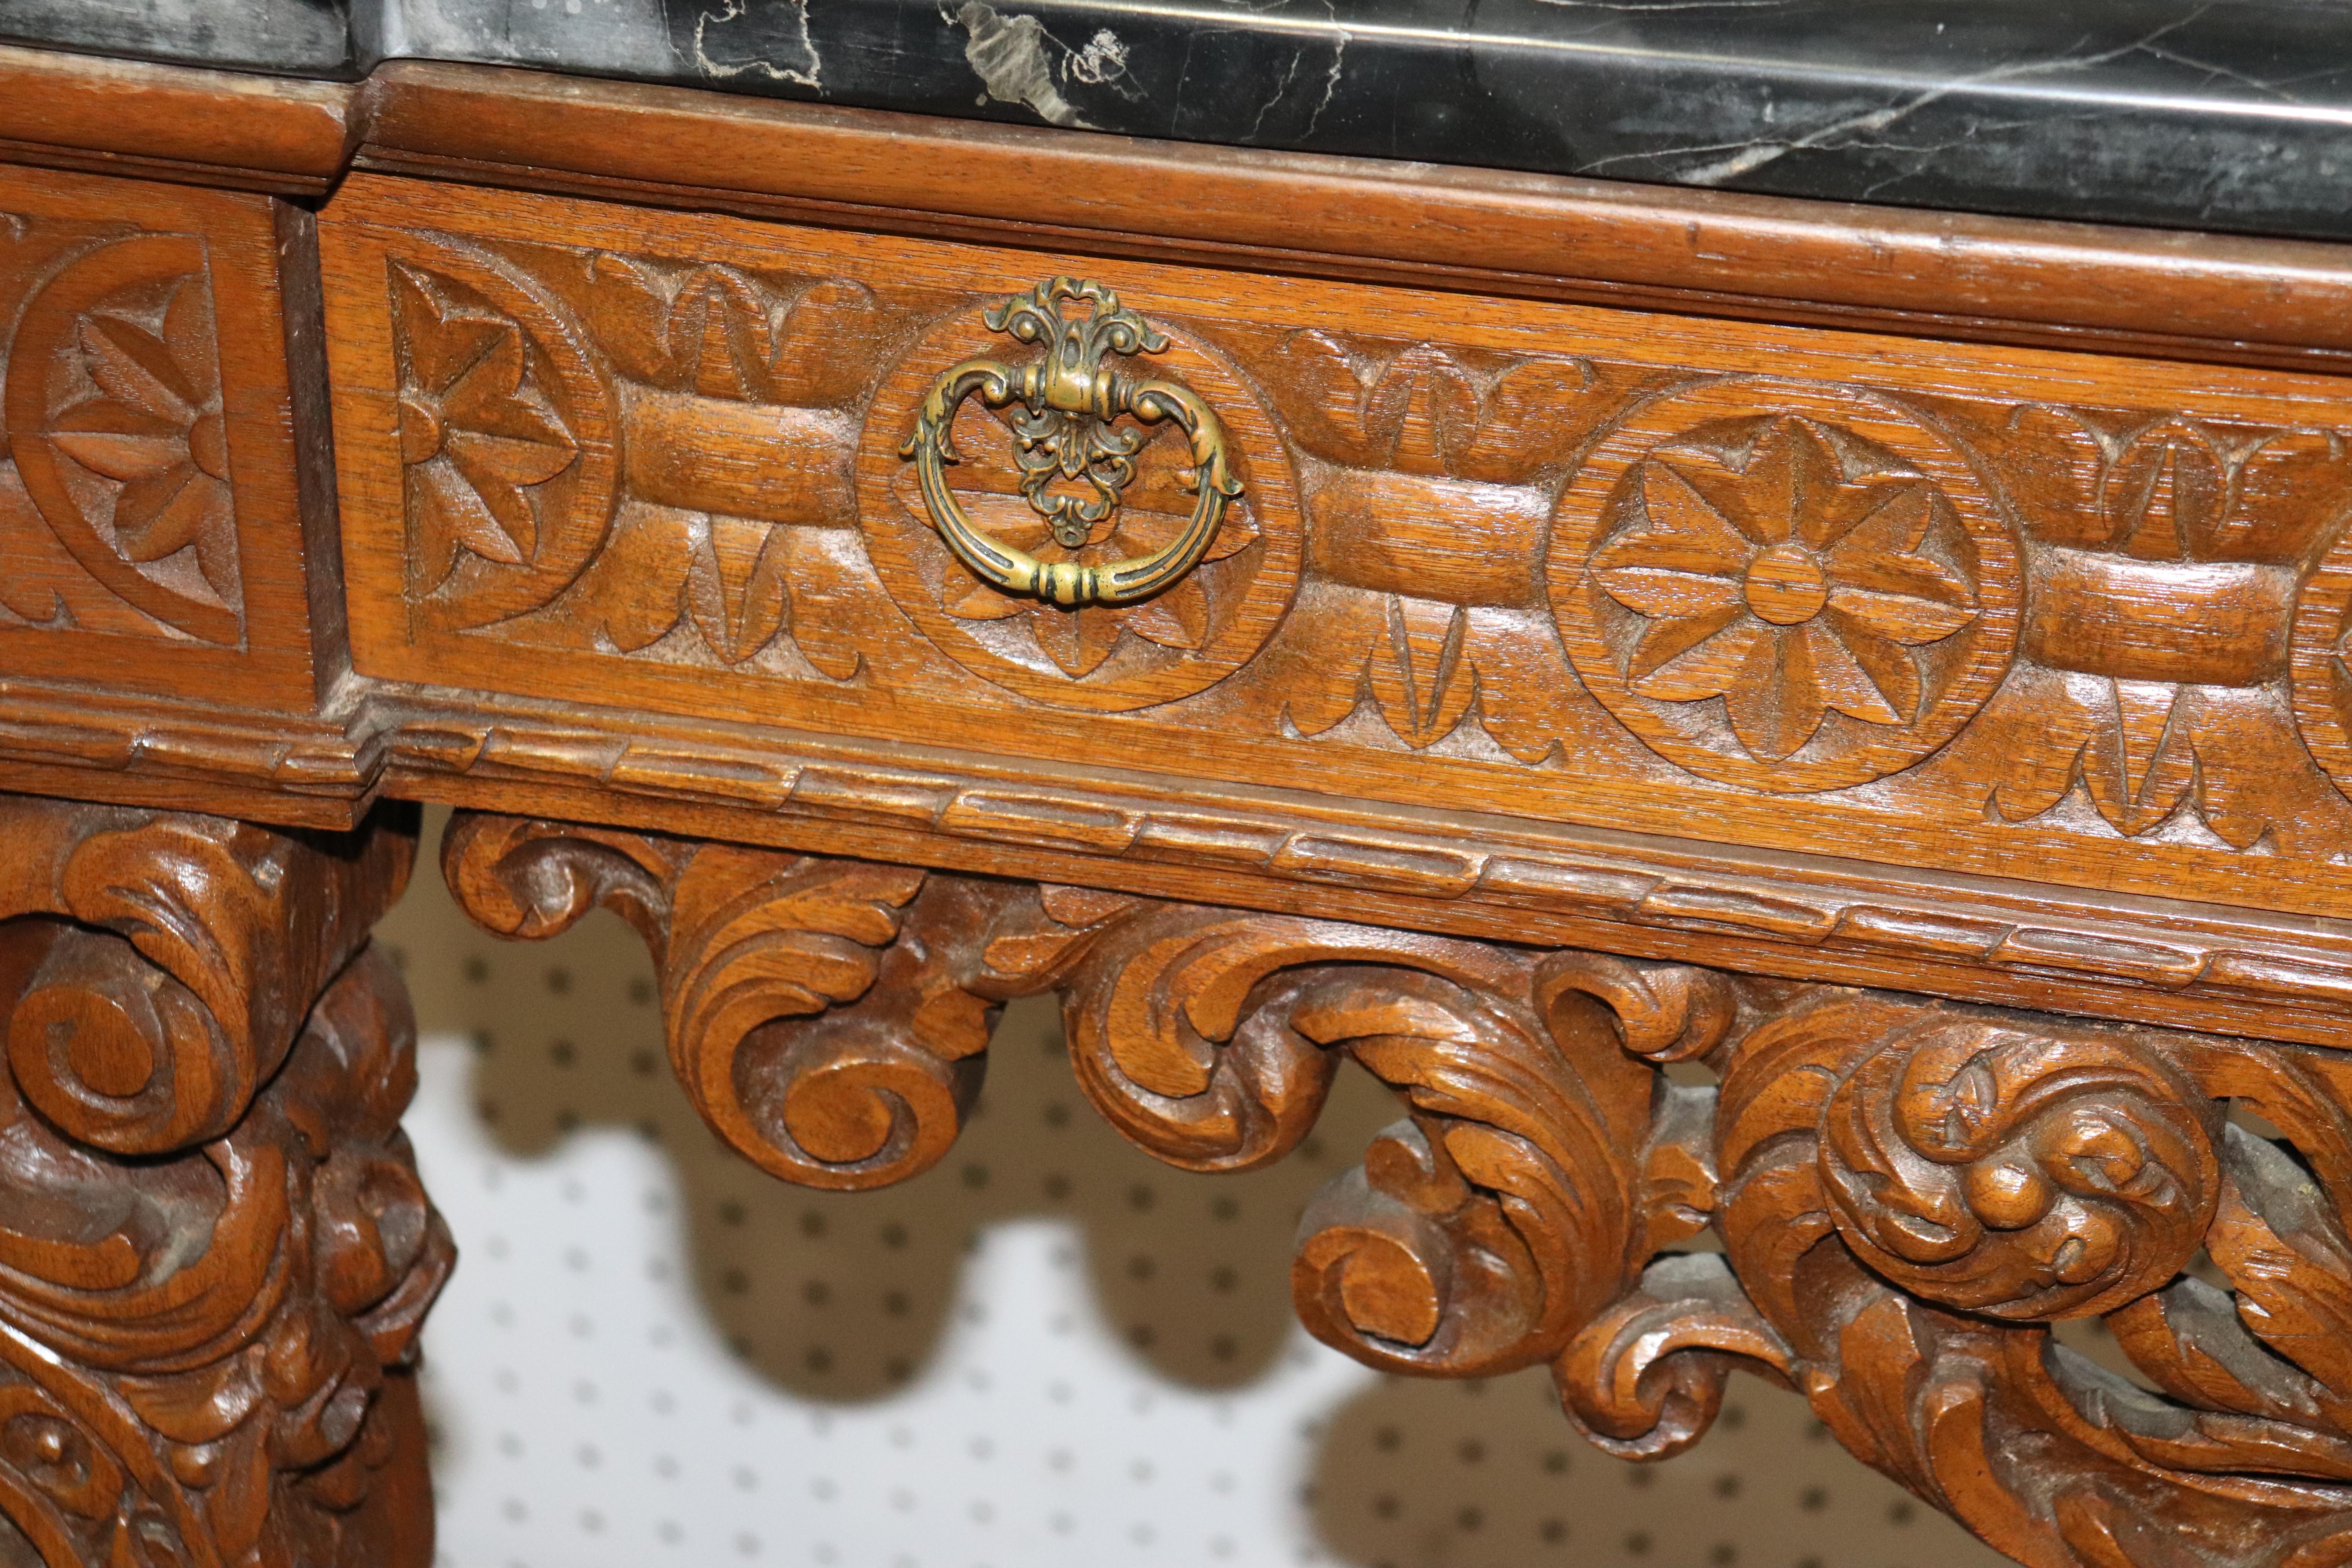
(1050, 1351)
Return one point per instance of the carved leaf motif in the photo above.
(734, 588)
(1423, 409)
(2145, 753)
(476, 437)
(2166, 495)
(1417, 672)
(742, 586)
(720, 331)
(724, 332)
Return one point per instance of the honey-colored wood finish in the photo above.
(171, 122)
(215, 1255)
(162, 534)
(1910, 1193)
(1513, 555)
(1895, 663)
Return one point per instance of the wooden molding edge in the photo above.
(2221, 299)
(321, 772)
(2174, 963)
(2236, 300)
(276, 135)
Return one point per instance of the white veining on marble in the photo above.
(1019, 61)
(1858, 131)
(2235, 114)
(809, 71)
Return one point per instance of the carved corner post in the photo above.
(214, 1253)
(1910, 1193)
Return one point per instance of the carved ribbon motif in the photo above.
(1910, 1193)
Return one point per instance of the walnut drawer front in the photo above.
(2072, 617)
(156, 535)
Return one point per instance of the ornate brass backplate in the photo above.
(1063, 427)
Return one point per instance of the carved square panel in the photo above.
(2064, 618)
(152, 526)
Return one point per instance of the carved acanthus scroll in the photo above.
(215, 1254)
(813, 1006)
(1910, 1193)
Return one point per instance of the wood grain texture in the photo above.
(1767, 585)
(172, 123)
(1911, 1193)
(2160, 960)
(1991, 940)
(1942, 274)
(216, 1255)
(153, 507)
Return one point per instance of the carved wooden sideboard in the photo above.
(1823, 724)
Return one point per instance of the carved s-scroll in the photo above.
(1521, 1194)
(816, 1009)
(147, 1025)
(195, 1381)
(204, 1348)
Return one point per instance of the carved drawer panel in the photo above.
(151, 515)
(2077, 618)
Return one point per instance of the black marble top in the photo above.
(2229, 114)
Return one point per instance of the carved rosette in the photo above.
(207, 1348)
(507, 434)
(113, 414)
(1109, 657)
(1787, 586)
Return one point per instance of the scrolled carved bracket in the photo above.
(206, 1350)
(195, 949)
(814, 1008)
(1910, 1193)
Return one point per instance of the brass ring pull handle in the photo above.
(1068, 400)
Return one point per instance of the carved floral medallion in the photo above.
(1789, 587)
(507, 436)
(114, 416)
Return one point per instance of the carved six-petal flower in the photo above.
(475, 436)
(1784, 586)
(155, 428)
